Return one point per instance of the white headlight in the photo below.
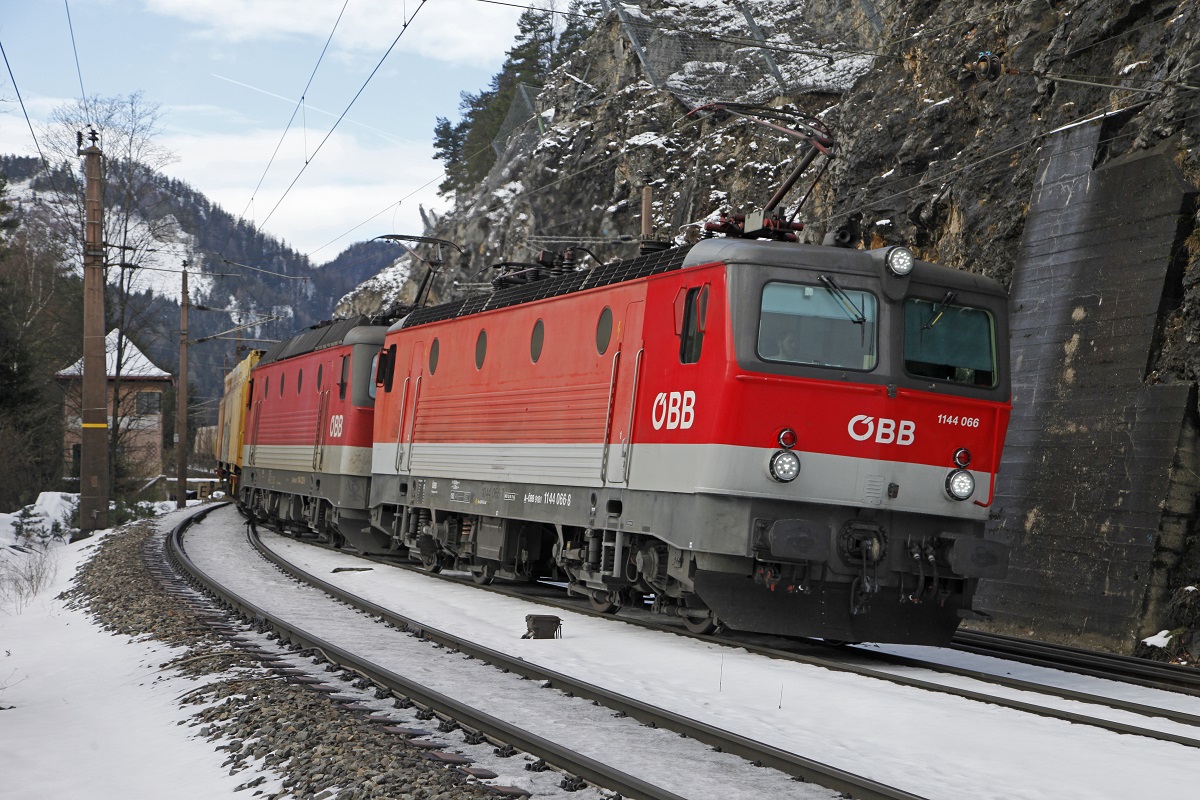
(960, 484)
(899, 260)
(784, 466)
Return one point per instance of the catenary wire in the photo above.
(75, 50)
(292, 118)
(21, 100)
(552, 11)
(483, 149)
(843, 54)
(260, 269)
(941, 178)
(392, 46)
(923, 33)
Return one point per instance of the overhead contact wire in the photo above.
(787, 48)
(362, 88)
(739, 42)
(21, 100)
(75, 50)
(292, 118)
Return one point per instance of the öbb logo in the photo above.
(674, 409)
(885, 431)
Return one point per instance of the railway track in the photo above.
(902, 709)
(1125, 669)
(1107, 666)
(1136, 671)
(597, 771)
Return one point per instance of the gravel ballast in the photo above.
(291, 741)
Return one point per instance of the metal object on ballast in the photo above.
(542, 626)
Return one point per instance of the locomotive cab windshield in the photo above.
(933, 327)
(819, 325)
(948, 342)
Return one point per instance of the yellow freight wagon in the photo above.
(231, 421)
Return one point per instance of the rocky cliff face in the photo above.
(942, 112)
(930, 153)
(574, 174)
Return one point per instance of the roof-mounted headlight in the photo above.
(899, 260)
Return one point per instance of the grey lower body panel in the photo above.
(756, 563)
(313, 502)
(723, 525)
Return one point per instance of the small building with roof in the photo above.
(136, 395)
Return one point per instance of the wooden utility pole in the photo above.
(181, 399)
(93, 464)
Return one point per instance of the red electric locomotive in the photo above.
(306, 454)
(777, 437)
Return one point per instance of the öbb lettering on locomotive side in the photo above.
(747, 431)
(882, 430)
(674, 410)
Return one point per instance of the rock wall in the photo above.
(942, 155)
(1093, 440)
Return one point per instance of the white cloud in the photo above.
(452, 31)
(340, 194)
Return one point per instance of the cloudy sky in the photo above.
(229, 73)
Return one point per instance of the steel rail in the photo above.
(869, 672)
(1138, 671)
(806, 769)
(1030, 686)
(492, 727)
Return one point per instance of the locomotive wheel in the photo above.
(702, 626)
(431, 563)
(602, 602)
(483, 575)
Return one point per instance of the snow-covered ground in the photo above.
(934, 745)
(88, 714)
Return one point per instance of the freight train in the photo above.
(746, 431)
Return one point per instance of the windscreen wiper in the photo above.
(844, 302)
(939, 309)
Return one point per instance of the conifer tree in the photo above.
(466, 147)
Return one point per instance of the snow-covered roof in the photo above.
(135, 363)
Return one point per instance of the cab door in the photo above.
(410, 395)
(618, 451)
(321, 438)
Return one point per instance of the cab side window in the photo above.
(691, 335)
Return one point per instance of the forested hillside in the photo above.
(238, 276)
